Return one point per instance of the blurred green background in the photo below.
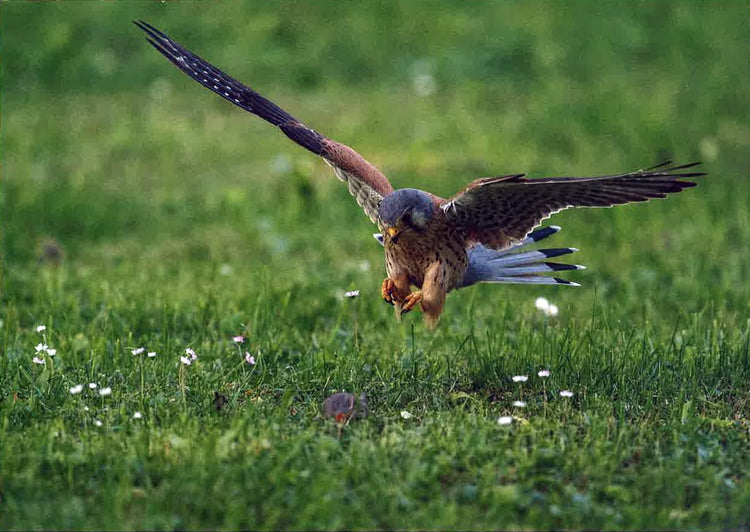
(139, 209)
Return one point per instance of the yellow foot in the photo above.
(388, 291)
(411, 300)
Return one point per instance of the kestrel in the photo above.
(435, 244)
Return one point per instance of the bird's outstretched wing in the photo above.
(501, 211)
(366, 183)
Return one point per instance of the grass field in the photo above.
(140, 210)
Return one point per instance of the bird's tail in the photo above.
(515, 265)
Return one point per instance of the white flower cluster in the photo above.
(542, 373)
(546, 307)
(42, 348)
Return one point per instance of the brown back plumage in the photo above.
(501, 211)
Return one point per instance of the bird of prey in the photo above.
(433, 244)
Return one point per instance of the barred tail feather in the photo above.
(540, 267)
(503, 259)
(536, 236)
(528, 279)
(512, 266)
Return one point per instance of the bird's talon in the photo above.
(388, 291)
(410, 301)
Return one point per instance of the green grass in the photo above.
(184, 222)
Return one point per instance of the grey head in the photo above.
(409, 206)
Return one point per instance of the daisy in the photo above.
(519, 404)
(250, 359)
(41, 347)
(151, 354)
(504, 420)
(352, 294)
(41, 328)
(75, 390)
(137, 351)
(137, 415)
(543, 373)
(98, 423)
(92, 386)
(238, 339)
(104, 392)
(406, 415)
(51, 352)
(37, 360)
(186, 360)
(520, 378)
(566, 393)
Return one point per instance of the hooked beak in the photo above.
(392, 232)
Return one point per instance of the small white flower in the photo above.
(352, 294)
(151, 354)
(51, 352)
(137, 351)
(519, 404)
(504, 420)
(104, 392)
(75, 390)
(37, 360)
(98, 423)
(41, 347)
(92, 386)
(225, 269)
(541, 303)
(566, 393)
(41, 328)
(250, 359)
(189, 351)
(238, 339)
(406, 415)
(85, 408)
(545, 306)
(137, 415)
(520, 378)
(543, 373)
(186, 360)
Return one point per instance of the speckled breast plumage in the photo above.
(414, 251)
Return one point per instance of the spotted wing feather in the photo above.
(499, 212)
(366, 183)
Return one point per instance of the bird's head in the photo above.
(403, 210)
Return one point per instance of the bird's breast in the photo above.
(415, 251)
